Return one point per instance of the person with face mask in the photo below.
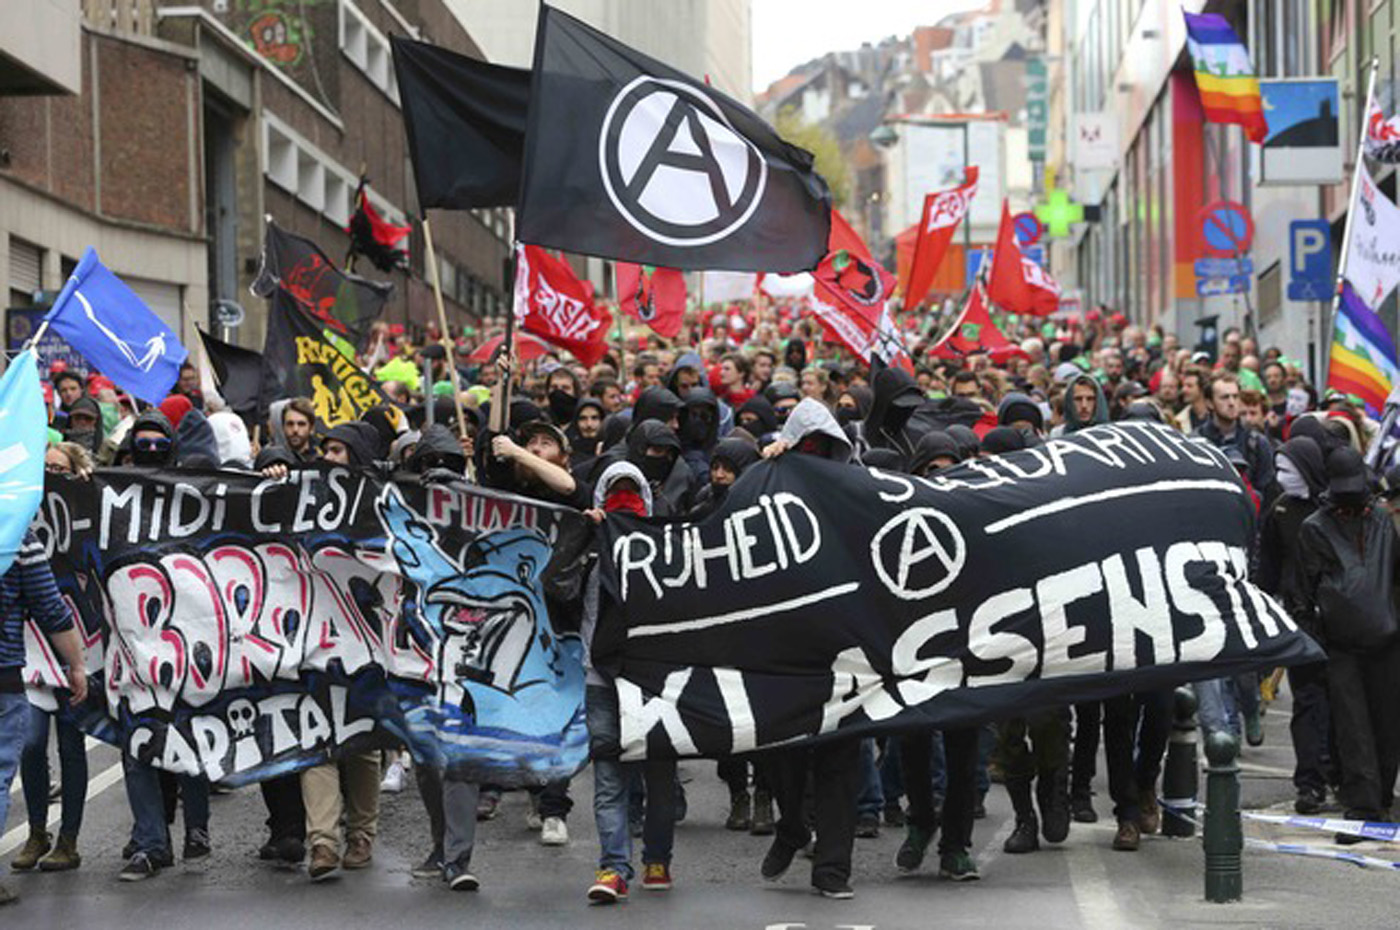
(656, 452)
(85, 424)
(1348, 553)
(562, 393)
(699, 431)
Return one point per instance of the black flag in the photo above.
(246, 383)
(629, 159)
(307, 364)
(465, 121)
(345, 303)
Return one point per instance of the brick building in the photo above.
(191, 122)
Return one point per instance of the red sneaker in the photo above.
(657, 877)
(608, 887)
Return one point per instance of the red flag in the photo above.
(553, 304)
(1017, 284)
(850, 297)
(974, 333)
(943, 211)
(656, 298)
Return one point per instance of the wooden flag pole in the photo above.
(442, 326)
(500, 395)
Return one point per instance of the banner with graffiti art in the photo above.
(242, 628)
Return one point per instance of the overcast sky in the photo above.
(787, 33)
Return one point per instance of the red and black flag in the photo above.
(654, 296)
(629, 159)
(465, 121)
(374, 237)
(306, 364)
(851, 295)
(345, 304)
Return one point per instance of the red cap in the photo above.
(175, 407)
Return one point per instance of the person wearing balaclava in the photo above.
(85, 424)
(730, 459)
(1348, 553)
(562, 391)
(897, 396)
(699, 431)
(1302, 478)
(655, 450)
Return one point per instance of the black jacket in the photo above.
(1348, 561)
(671, 494)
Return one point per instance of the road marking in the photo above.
(1088, 878)
(104, 780)
(994, 847)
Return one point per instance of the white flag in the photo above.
(1382, 136)
(1373, 254)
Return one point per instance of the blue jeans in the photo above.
(148, 806)
(1219, 705)
(72, 766)
(610, 777)
(871, 800)
(14, 727)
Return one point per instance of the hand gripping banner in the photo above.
(826, 598)
(243, 628)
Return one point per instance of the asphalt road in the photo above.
(1082, 883)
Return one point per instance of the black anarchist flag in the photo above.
(307, 364)
(465, 121)
(629, 159)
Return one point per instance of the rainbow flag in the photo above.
(1363, 360)
(1224, 75)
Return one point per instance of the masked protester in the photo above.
(85, 424)
(562, 393)
(699, 431)
(654, 449)
(1348, 552)
(1302, 475)
(896, 397)
(622, 489)
(758, 418)
(731, 458)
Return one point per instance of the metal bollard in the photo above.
(1224, 838)
(1179, 775)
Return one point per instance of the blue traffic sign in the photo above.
(1310, 260)
(1223, 267)
(1216, 287)
(1035, 253)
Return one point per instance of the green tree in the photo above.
(821, 142)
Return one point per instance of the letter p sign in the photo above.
(1310, 260)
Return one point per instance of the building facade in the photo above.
(193, 122)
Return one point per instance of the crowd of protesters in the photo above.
(666, 428)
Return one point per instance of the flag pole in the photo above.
(1358, 167)
(500, 397)
(442, 325)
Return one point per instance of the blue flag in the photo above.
(114, 330)
(23, 435)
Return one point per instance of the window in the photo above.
(368, 49)
(313, 177)
(26, 272)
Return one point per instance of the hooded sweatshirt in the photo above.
(195, 443)
(689, 360)
(897, 396)
(672, 491)
(357, 442)
(1017, 406)
(90, 440)
(1072, 422)
(1280, 568)
(231, 435)
(762, 408)
(147, 421)
(812, 416)
(588, 627)
(699, 432)
(738, 454)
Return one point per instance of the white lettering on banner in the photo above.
(640, 715)
(949, 207)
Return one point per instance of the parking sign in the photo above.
(1310, 260)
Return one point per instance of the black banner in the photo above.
(246, 382)
(465, 121)
(306, 364)
(242, 628)
(825, 598)
(629, 159)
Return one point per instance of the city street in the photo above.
(1082, 884)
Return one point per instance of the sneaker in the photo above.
(894, 816)
(7, 895)
(1254, 729)
(39, 843)
(958, 867)
(1128, 838)
(777, 860)
(912, 850)
(486, 805)
(458, 878)
(359, 853)
(836, 890)
(324, 861)
(656, 877)
(740, 812)
(1082, 810)
(867, 826)
(392, 782)
(554, 832)
(63, 857)
(139, 868)
(762, 814)
(196, 845)
(608, 887)
(431, 867)
(1310, 801)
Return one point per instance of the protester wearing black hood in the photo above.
(758, 418)
(699, 431)
(585, 433)
(1302, 476)
(85, 424)
(653, 447)
(348, 444)
(897, 396)
(730, 459)
(150, 443)
(686, 374)
(1085, 404)
(1348, 552)
(835, 764)
(562, 389)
